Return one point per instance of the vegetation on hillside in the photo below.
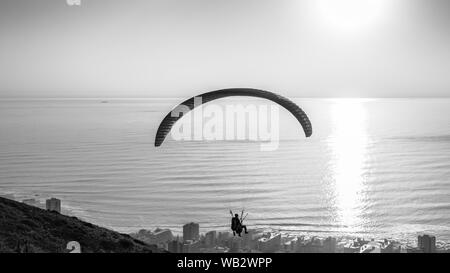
(25, 228)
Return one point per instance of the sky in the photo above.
(166, 48)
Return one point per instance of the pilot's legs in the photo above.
(245, 229)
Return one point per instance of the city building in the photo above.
(311, 245)
(53, 204)
(257, 241)
(391, 247)
(235, 244)
(191, 232)
(210, 238)
(371, 247)
(175, 247)
(222, 238)
(216, 249)
(290, 246)
(329, 245)
(159, 237)
(191, 246)
(163, 236)
(426, 243)
(354, 246)
(249, 241)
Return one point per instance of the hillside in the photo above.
(24, 228)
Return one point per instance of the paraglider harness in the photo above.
(237, 223)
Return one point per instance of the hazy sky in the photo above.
(119, 48)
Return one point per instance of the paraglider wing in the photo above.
(170, 120)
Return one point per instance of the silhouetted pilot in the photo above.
(237, 226)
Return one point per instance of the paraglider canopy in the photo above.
(169, 120)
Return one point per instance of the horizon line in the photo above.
(181, 98)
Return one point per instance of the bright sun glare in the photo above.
(351, 15)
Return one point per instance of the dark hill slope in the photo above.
(24, 228)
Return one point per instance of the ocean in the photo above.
(376, 168)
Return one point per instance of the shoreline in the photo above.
(408, 240)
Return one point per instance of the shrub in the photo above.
(124, 243)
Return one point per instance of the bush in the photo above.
(124, 243)
(107, 245)
(29, 223)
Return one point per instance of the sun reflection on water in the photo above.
(348, 144)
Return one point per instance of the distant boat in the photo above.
(104, 101)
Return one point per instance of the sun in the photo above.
(351, 15)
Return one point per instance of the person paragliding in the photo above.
(237, 223)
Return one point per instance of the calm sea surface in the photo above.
(374, 168)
